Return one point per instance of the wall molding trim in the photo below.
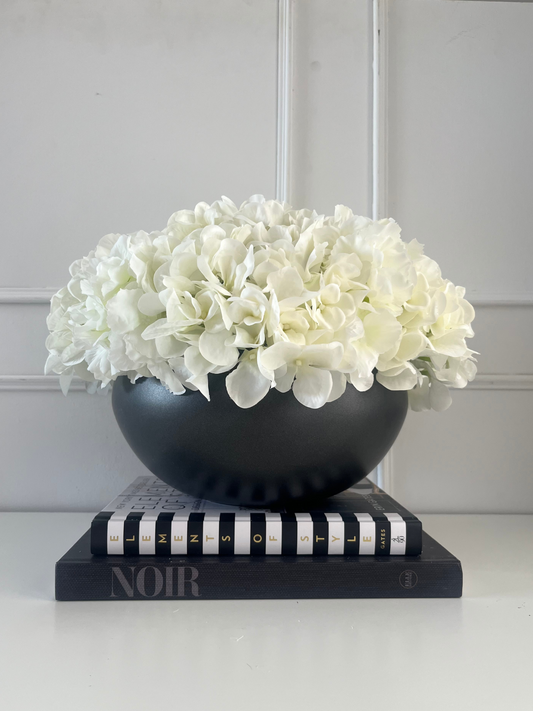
(379, 140)
(385, 472)
(379, 186)
(501, 381)
(284, 89)
(483, 381)
(43, 295)
(26, 294)
(46, 383)
(487, 300)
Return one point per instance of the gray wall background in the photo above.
(115, 113)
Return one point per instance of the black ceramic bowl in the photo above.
(270, 454)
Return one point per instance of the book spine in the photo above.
(278, 577)
(258, 534)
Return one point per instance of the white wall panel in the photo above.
(460, 102)
(504, 339)
(61, 453)
(23, 332)
(115, 113)
(474, 458)
(460, 172)
(331, 105)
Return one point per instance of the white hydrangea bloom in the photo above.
(273, 296)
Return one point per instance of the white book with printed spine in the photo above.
(152, 518)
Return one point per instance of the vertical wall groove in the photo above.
(384, 471)
(379, 110)
(284, 100)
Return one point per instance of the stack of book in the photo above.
(153, 542)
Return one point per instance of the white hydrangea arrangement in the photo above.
(275, 297)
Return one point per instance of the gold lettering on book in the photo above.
(258, 538)
(194, 538)
(318, 539)
(113, 538)
(162, 537)
(130, 539)
(146, 538)
(209, 538)
(178, 538)
(272, 538)
(351, 540)
(304, 538)
(367, 539)
(226, 538)
(334, 538)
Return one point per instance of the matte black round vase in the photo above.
(271, 454)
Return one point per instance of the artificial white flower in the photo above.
(272, 296)
(304, 368)
(249, 382)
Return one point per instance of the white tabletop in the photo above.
(451, 654)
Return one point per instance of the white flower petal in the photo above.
(330, 294)
(166, 375)
(280, 354)
(169, 347)
(246, 385)
(214, 348)
(284, 378)
(361, 382)
(160, 328)
(65, 380)
(312, 386)
(382, 331)
(439, 396)
(196, 363)
(150, 304)
(286, 283)
(201, 383)
(451, 343)
(402, 378)
(411, 345)
(73, 354)
(338, 385)
(419, 399)
(328, 355)
(122, 312)
(269, 374)
(53, 364)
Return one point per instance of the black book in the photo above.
(83, 576)
(150, 518)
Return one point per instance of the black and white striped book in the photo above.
(151, 518)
